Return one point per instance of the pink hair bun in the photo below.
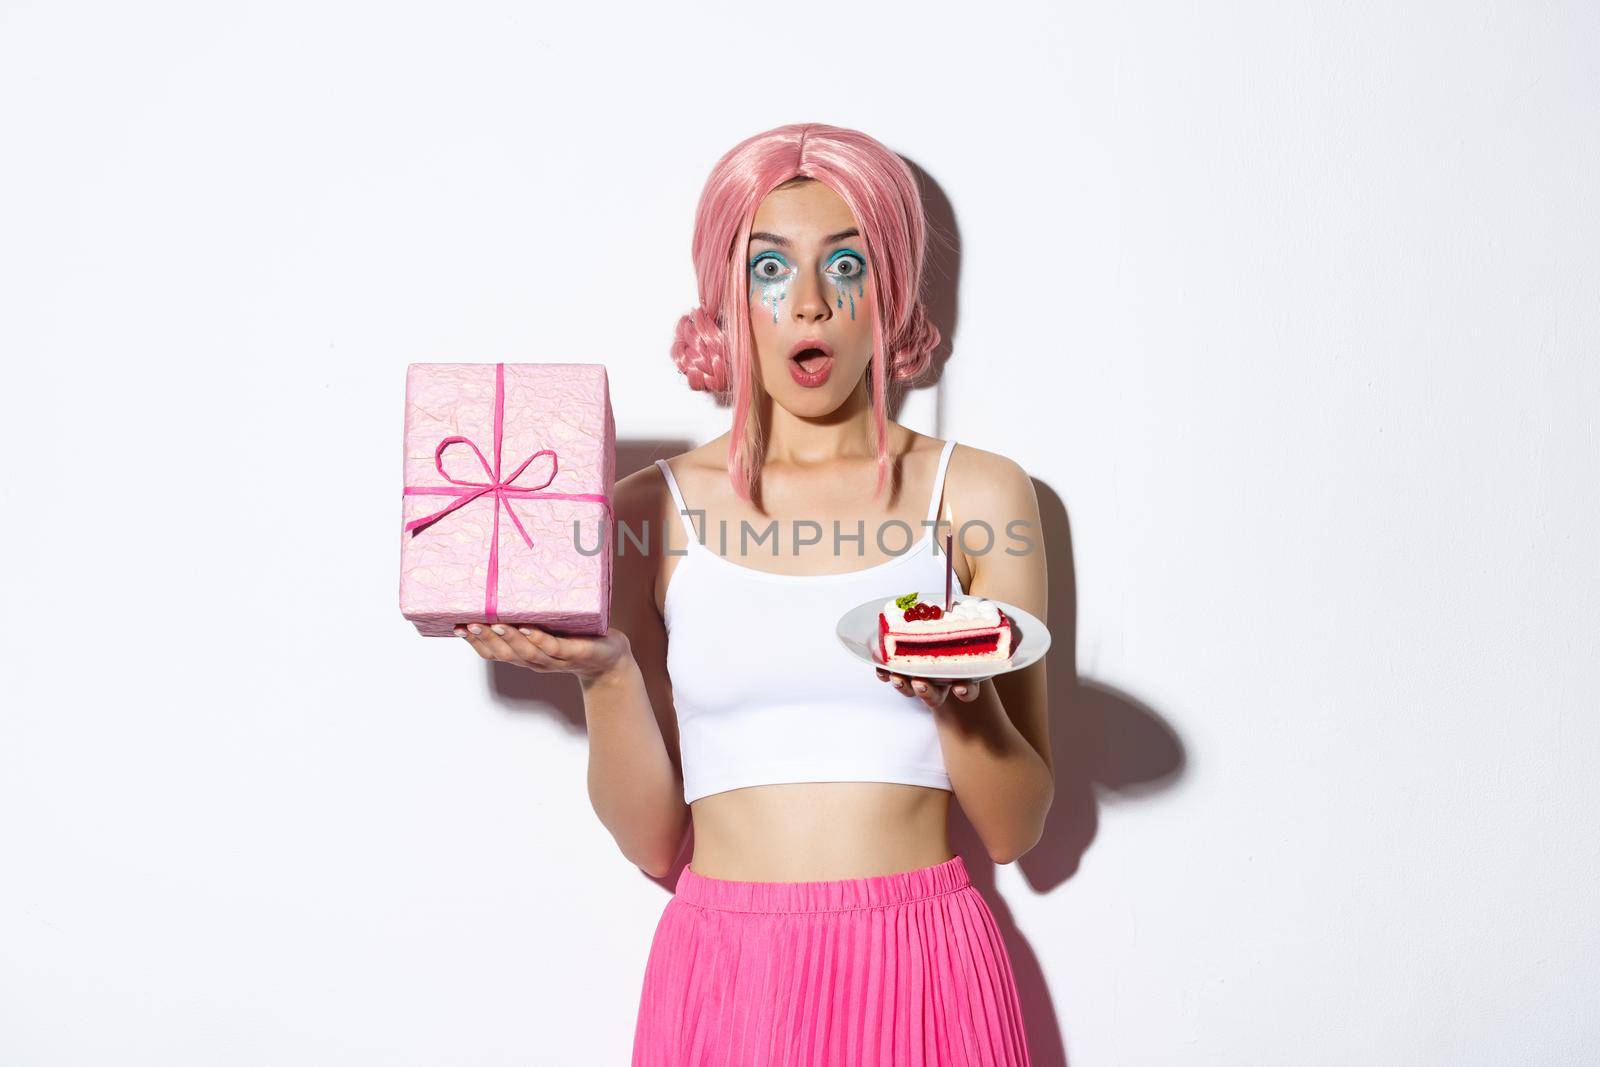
(915, 351)
(701, 352)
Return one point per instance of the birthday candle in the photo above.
(949, 569)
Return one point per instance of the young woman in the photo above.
(823, 917)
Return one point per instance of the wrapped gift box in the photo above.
(506, 511)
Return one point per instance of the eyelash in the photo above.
(765, 280)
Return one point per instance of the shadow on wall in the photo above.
(1101, 741)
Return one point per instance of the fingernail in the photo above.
(961, 690)
(920, 687)
(498, 629)
(476, 629)
(525, 631)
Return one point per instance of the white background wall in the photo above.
(1291, 310)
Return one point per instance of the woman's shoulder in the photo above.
(987, 482)
(707, 459)
(645, 496)
(994, 491)
(647, 480)
(642, 497)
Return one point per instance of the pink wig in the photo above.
(714, 347)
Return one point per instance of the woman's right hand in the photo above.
(525, 645)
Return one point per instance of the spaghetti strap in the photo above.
(677, 496)
(938, 480)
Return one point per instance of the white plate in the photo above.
(858, 633)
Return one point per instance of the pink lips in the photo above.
(821, 366)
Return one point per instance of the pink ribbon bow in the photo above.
(465, 492)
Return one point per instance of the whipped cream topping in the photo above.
(966, 611)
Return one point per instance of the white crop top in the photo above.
(764, 692)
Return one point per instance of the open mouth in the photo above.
(811, 359)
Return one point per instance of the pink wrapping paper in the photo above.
(555, 425)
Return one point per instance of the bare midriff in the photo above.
(819, 831)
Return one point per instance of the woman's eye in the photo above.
(768, 268)
(848, 266)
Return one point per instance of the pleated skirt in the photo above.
(897, 970)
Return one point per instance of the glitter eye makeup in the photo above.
(770, 276)
(848, 279)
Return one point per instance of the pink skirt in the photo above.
(898, 970)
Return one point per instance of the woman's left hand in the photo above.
(933, 691)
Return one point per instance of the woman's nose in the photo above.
(810, 299)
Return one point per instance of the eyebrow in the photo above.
(783, 242)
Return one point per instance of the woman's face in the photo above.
(808, 287)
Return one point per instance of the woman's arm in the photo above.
(995, 736)
(635, 775)
(635, 771)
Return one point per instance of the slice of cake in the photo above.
(912, 630)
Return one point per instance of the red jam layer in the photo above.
(963, 646)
